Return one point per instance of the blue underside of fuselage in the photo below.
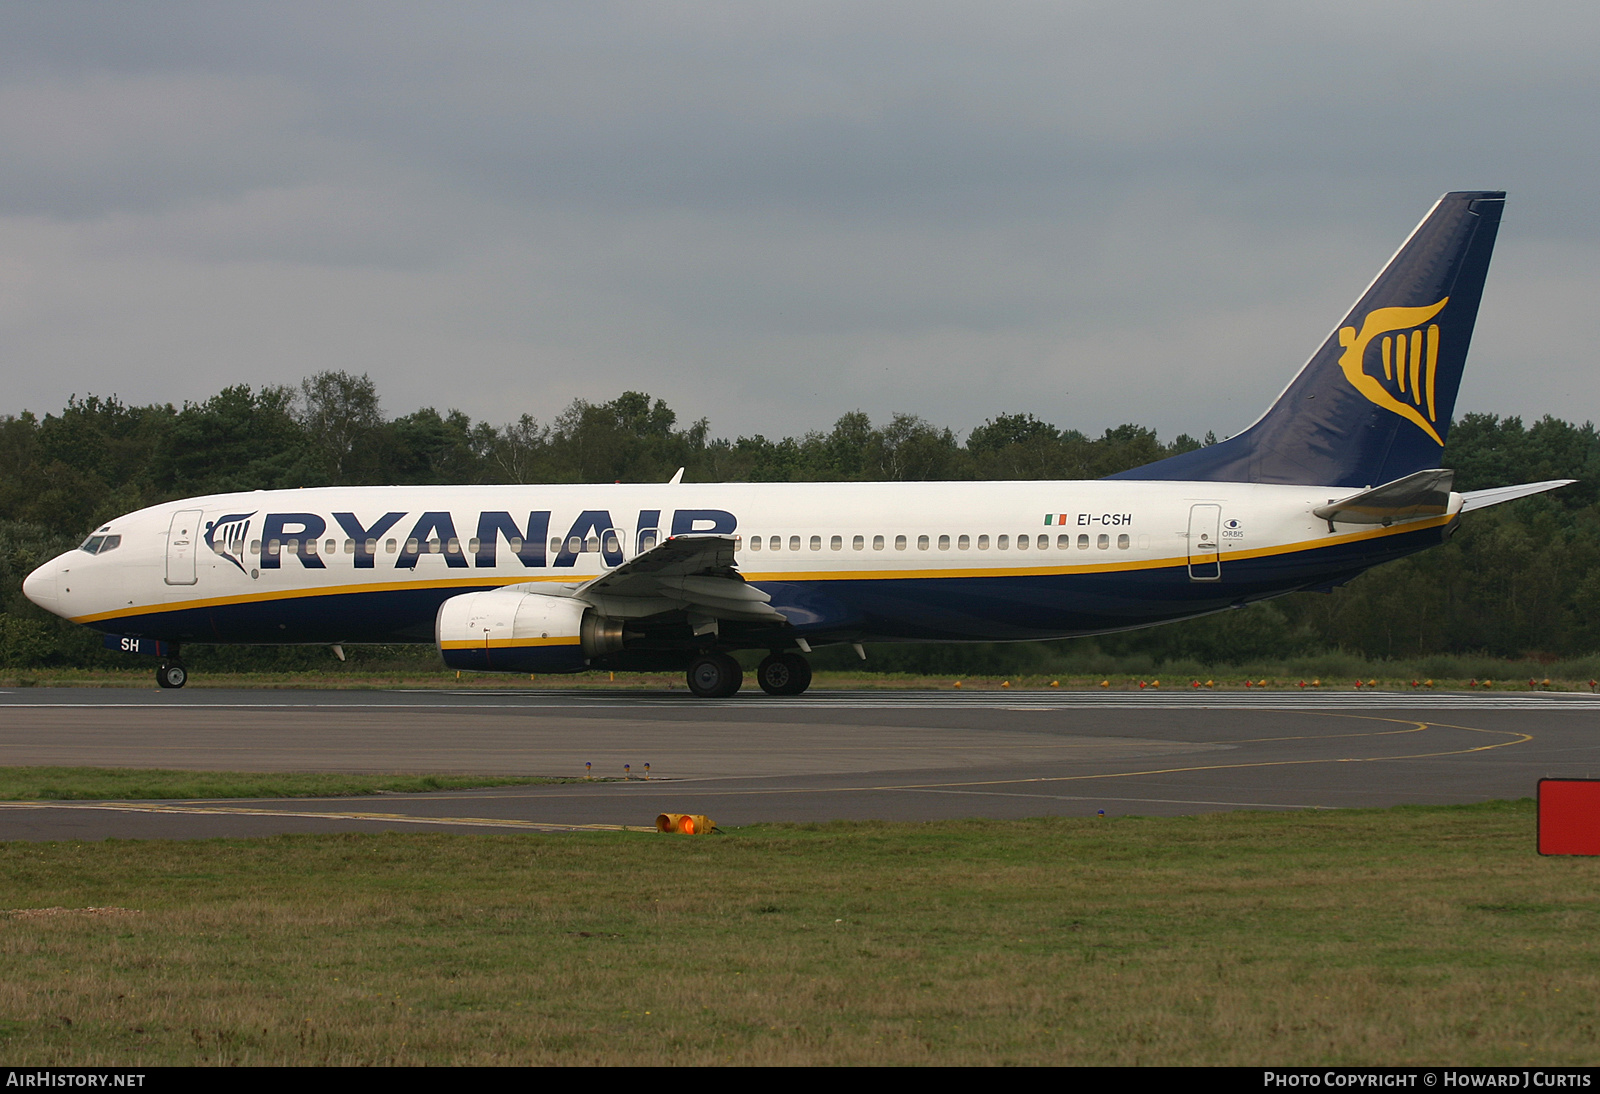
(931, 609)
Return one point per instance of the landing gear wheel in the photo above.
(170, 674)
(715, 676)
(784, 674)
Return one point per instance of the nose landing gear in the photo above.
(171, 674)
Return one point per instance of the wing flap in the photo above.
(695, 573)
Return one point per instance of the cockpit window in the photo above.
(99, 545)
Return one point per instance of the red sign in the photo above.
(1569, 816)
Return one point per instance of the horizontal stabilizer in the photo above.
(1424, 494)
(1482, 499)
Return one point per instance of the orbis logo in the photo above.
(1407, 353)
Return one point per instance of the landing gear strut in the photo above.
(784, 674)
(171, 674)
(715, 676)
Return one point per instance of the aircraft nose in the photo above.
(40, 586)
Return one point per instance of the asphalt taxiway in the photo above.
(823, 756)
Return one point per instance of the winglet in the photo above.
(676, 479)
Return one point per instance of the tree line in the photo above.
(1521, 580)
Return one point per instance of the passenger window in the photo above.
(1044, 541)
(836, 543)
(944, 543)
(255, 546)
(738, 542)
(273, 548)
(1122, 543)
(755, 543)
(816, 543)
(899, 543)
(877, 543)
(330, 547)
(613, 546)
(372, 546)
(964, 543)
(311, 547)
(292, 547)
(1103, 541)
(1063, 542)
(648, 537)
(922, 543)
(1083, 543)
(859, 543)
(574, 544)
(983, 543)
(1022, 543)
(794, 543)
(555, 546)
(591, 543)
(435, 546)
(389, 546)
(350, 546)
(1004, 543)
(515, 543)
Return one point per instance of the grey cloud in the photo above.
(771, 214)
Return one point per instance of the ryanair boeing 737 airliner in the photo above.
(1340, 474)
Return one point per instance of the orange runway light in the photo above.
(686, 824)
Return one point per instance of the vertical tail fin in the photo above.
(1374, 403)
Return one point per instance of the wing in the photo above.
(694, 573)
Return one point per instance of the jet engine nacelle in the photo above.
(509, 630)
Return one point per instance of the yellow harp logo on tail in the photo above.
(1409, 353)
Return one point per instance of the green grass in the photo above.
(124, 783)
(1405, 936)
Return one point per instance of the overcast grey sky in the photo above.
(771, 214)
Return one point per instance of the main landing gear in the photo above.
(784, 674)
(171, 674)
(717, 675)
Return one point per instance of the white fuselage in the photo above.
(918, 560)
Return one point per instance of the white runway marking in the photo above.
(346, 815)
(1011, 701)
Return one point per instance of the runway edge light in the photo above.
(1569, 817)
